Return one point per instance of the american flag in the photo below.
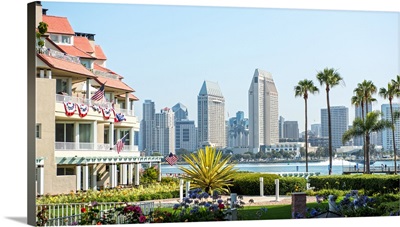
(120, 143)
(171, 159)
(99, 94)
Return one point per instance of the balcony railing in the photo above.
(103, 104)
(60, 55)
(91, 146)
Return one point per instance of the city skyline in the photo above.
(167, 56)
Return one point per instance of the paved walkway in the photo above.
(257, 200)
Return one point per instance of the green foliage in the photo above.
(42, 27)
(150, 175)
(249, 184)
(209, 170)
(371, 184)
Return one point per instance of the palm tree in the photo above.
(366, 89)
(209, 171)
(358, 100)
(330, 78)
(389, 93)
(361, 127)
(303, 88)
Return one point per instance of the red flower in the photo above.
(98, 223)
(142, 219)
(221, 206)
(83, 210)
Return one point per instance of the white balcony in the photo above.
(70, 149)
(103, 104)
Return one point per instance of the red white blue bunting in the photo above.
(119, 117)
(83, 109)
(69, 108)
(106, 112)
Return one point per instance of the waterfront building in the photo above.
(280, 125)
(82, 111)
(238, 131)
(164, 132)
(291, 130)
(211, 116)
(387, 137)
(339, 123)
(185, 135)
(146, 126)
(263, 111)
(316, 129)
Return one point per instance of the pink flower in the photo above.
(142, 218)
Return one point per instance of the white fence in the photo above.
(70, 213)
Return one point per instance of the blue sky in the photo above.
(165, 52)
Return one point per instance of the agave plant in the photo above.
(209, 170)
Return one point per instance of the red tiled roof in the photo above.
(101, 68)
(114, 83)
(59, 25)
(65, 65)
(131, 96)
(83, 44)
(99, 53)
(72, 50)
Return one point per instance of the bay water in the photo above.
(288, 167)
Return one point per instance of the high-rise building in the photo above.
(185, 135)
(211, 116)
(280, 125)
(263, 111)
(339, 124)
(238, 131)
(180, 112)
(358, 141)
(291, 130)
(164, 132)
(387, 136)
(316, 130)
(146, 125)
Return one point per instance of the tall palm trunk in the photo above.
(364, 148)
(393, 137)
(366, 162)
(366, 145)
(305, 100)
(329, 130)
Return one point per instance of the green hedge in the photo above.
(370, 183)
(249, 184)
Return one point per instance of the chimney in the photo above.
(44, 11)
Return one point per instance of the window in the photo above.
(39, 131)
(55, 38)
(65, 171)
(64, 132)
(66, 39)
(62, 86)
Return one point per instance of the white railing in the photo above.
(103, 104)
(67, 214)
(90, 146)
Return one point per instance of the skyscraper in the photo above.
(180, 112)
(263, 111)
(211, 116)
(291, 130)
(280, 125)
(339, 123)
(164, 132)
(146, 125)
(316, 129)
(387, 137)
(238, 131)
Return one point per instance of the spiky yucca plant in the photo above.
(209, 171)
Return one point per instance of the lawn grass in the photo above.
(273, 211)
